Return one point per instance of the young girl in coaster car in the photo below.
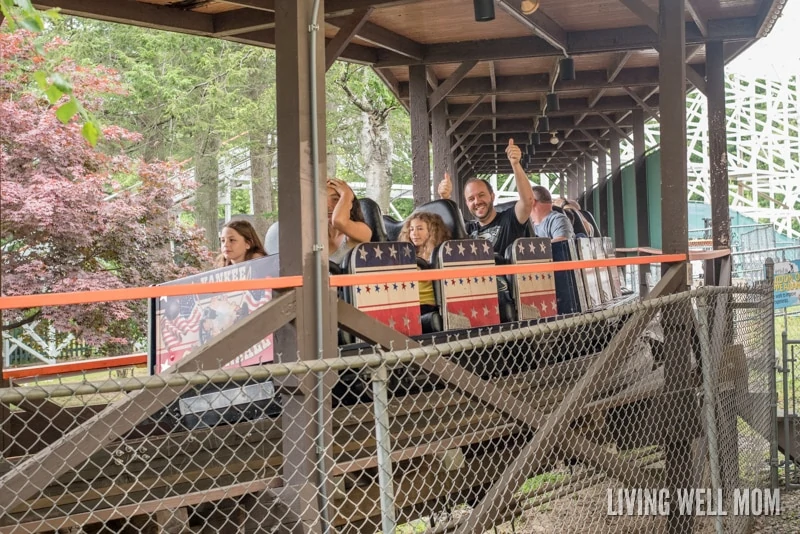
(238, 242)
(425, 231)
(346, 226)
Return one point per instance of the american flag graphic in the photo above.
(185, 322)
(472, 300)
(535, 293)
(395, 304)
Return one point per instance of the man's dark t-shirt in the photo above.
(502, 231)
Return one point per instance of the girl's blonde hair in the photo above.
(438, 232)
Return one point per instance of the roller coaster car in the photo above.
(470, 306)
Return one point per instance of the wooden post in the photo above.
(441, 145)
(602, 192)
(642, 213)
(717, 147)
(616, 185)
(719, 273)
(675, 235)
(420, 134)
(297, 197)
(588, 182)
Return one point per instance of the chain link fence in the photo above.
(546, 427)
(749, 265)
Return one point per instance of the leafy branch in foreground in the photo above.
(20, 14)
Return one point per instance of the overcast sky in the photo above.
(778, 55)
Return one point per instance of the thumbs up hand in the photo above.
(445, 186)
(513, 152)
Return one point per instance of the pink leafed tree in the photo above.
(78, 218)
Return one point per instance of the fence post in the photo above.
(787, 443)
(709, 400)
(384, 446)
(769, 274)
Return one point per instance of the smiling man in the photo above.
(499, 228)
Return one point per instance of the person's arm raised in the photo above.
(356, 231)
(525, 202)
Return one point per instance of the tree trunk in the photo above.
(261, 158)
(377, 148)
(206, 172)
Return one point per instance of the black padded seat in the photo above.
(577, 222)
(589, 217)
(271, 240)
(374, 219)
(393, 227)
(450, 214)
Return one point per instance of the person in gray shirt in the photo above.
(546, 221)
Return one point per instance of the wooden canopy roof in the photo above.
(492, 76)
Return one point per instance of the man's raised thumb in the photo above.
(510, 141)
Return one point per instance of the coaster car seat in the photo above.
(450, 214)
(393, 227)
(374, 219)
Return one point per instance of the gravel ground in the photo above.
(786, 523)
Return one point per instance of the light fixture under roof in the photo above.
(484, 10)
(529, 6)
(554, 138)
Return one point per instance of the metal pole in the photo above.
(709, 400)
(769, 273)
(384, 444)
(787, 444)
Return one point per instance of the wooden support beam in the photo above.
(586, 80)
(441, 145)
(617, 198)
(230, 23)
(718, 146)
(569, 107)
(580, 42)
(420, 134)
(347, 30)
(642, 196)
(445, 87)
(264, 5)
(643, 11)
(617, 64)
(298, 239)
(539, 23)
(556, 123)
(465, 114)
(338, 8)
(650, 18)
(615, 127)
(383, 38)
(672, 47)
(588, 182)
(644, 105)
(697, 17)
(464, 136)
(602, 191)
